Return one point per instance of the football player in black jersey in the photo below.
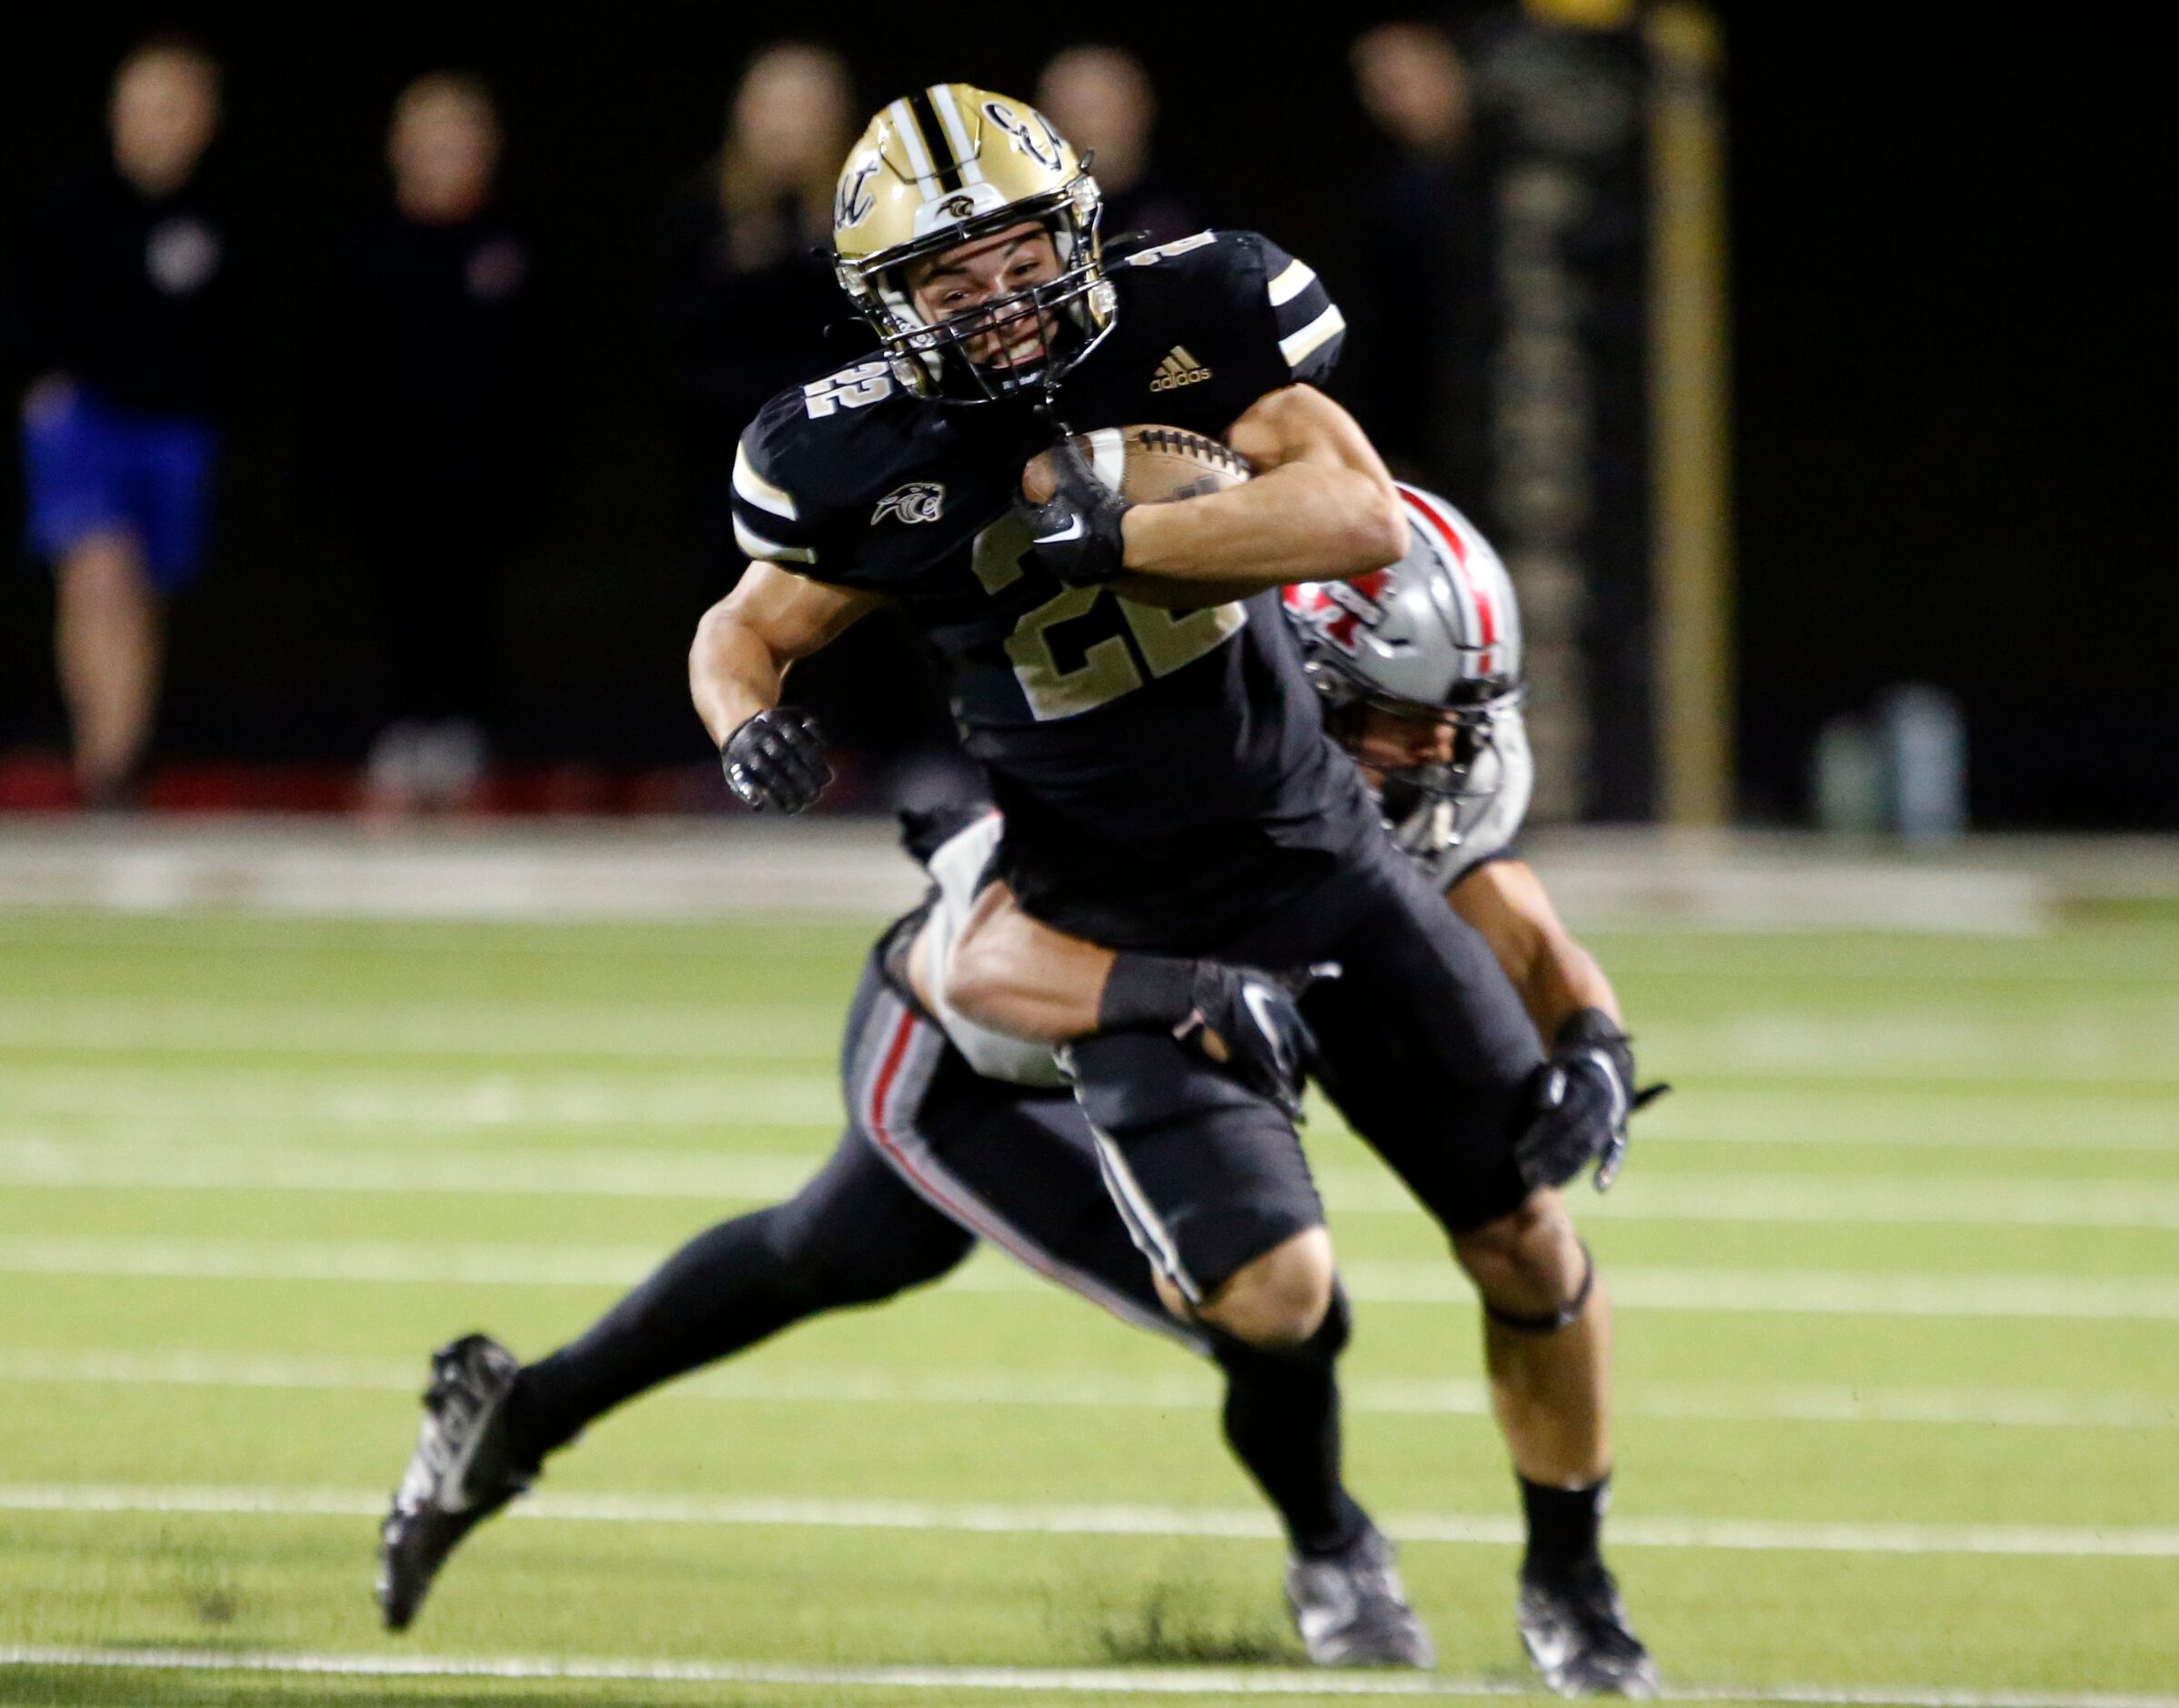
(959, 1133)
(1419, 668)
(1122, 675)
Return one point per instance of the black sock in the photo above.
(725, 1290)
(853, 1235)
(1282, 1421)
(1565, 1527)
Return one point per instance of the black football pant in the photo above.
(936, 1158)
(1425, 1048)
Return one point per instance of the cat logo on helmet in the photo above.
(1044, 148)
(948, 166)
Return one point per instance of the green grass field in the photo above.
(1898, 1275)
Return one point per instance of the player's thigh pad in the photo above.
(1207, 1176)
(1022, 1167)
(1424, 1044)
(1009, 1165)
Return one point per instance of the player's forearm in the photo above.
(1016, 975)
(733, 672)
(1554, 976)
(1306, 521)
(1563, 980)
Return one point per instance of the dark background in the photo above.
(1944, 349)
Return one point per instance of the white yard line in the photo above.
(180, 1103)
(1027, 1681)
(184, 1104)
(1179, 1390)
(311, 1024)
(1817, 1292)
(2076, 1044)
(32, 1158)
(1823, 1292)
(2056, 1541)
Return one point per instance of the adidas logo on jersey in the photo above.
(1179, 368)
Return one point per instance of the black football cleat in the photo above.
(460, 1474)
(1575, 1629)
(1351, 1608)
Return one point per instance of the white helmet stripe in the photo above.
(957, 132)
(911, 139)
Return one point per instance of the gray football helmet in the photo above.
(1435, 636)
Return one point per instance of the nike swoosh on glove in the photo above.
(1249, 1023)
(1579, 1102)
(1075, 533)
(776, 760)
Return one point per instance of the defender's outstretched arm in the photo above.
(1556, 977)
(1019, 976)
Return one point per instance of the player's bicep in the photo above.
(1297, 424)
(791, 615)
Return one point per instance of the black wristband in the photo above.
(1146, 991)
(1589, 1026)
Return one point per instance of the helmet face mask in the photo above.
(943, 169)
(1433, 641)
(1433, 804)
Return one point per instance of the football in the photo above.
(1148, 464)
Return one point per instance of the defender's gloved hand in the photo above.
(1075, 533)
(1245, 1019)
(1580, 1100)
(776, 760)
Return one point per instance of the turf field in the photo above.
(1897, 1270)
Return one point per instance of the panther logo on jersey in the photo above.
(918, 501)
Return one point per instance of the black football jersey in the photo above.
(1164, 775)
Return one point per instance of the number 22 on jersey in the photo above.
(1163, 641)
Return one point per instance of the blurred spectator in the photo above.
(750, 290)
(122, 319)
(1416, 301)
(436, 324)
(752, 309)
(1101, 99)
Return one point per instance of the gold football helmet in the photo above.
(943, 166)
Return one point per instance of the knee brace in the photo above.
(1550, 1321)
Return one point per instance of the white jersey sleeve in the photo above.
(955, 868)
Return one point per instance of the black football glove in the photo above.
(1075, 533)
(1249, 1022)
(776, 760)
(1579, 1102)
